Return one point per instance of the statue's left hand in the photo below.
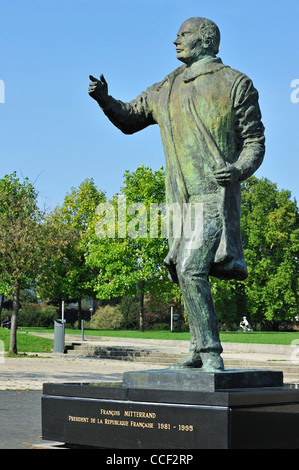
(98, 89)
(227, 175)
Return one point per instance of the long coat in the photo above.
(212, 120)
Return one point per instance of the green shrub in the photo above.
(107, 318)
(40, 315)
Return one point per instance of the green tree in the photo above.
(270, 234)
(26, 241)
(130, 261)
(69, 278)
(270, 230)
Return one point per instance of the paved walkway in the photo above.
(20, 419)
(29, 373)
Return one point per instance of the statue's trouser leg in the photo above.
(201, 314)
(193, 265)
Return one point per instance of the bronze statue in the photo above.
(213, 138)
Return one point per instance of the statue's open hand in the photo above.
(98, 89)
(227, 175)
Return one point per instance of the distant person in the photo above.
(6, 323)
(244, 324)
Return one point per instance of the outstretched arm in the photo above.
(128, 117)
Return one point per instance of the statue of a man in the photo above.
(213, 138)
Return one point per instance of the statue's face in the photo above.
(189, 44)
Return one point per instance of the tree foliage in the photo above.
(69, 277)
(270, 230)
(26, 241)
(131, 263)
(270, 234)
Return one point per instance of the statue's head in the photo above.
(196, 38)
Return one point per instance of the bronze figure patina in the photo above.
(213, 139)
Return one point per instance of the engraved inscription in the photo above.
(138, 419)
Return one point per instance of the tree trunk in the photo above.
(14, 318)
(1, 302)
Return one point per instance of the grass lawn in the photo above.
(260, 337)
(35, 344)
(27, 343)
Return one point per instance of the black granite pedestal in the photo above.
(175, 410)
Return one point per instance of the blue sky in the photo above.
(54, 133)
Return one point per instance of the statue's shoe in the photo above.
(212, 362)
(191, 361)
